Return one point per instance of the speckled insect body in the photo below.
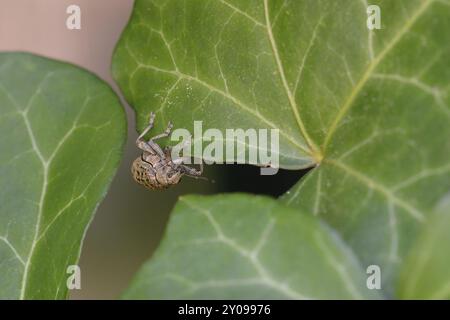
(155, 169)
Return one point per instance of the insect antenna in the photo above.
(200, 178)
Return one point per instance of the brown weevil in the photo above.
(155, 169)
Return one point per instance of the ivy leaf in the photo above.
(62, 131)
(368, 109)
(209, 252)
(426, 274)
(387, 148)
(181, 62)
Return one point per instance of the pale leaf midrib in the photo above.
(370, 69)
(252, 255)
(45, 165)
(372, 184)
(293, 104)
(37, 151)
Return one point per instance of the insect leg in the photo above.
(155, 146)
(179, 158)
(166, 133)
(147, 129)
(193, 172)
(140, 142)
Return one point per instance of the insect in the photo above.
(155, 169)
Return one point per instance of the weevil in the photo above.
(154, 168)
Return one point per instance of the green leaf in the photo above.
(210, 252)
(62, 131)
(368, 109)
(387, 149)
(183, 61)
(426, 274)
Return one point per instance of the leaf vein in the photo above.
(371, 67)
(290, 96)
(389, 194)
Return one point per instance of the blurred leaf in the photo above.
(427, 273)
(368, 108)
(209, 252)
(62, 131)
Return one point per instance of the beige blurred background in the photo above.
(130, 221)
